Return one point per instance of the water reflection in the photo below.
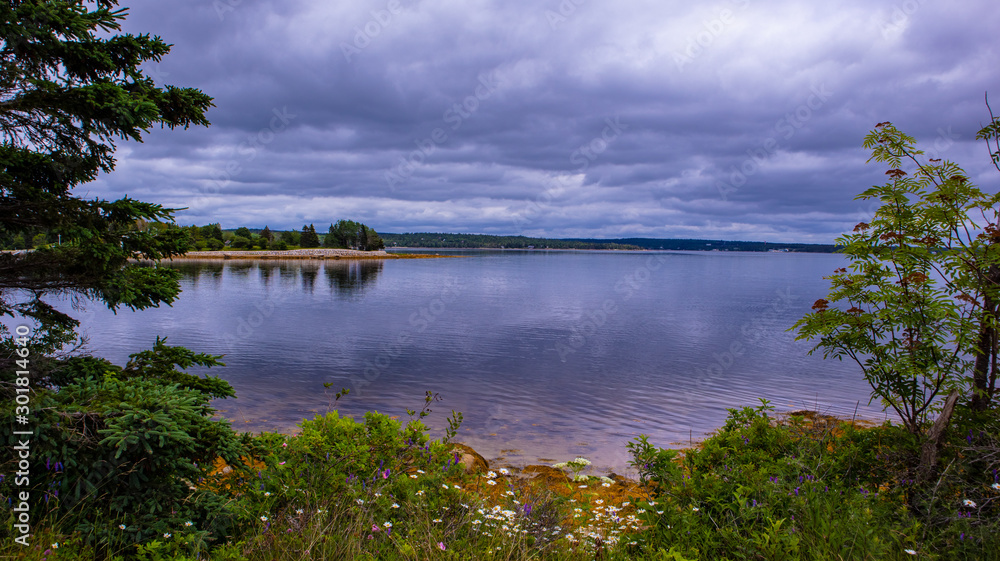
(242, 269)
(309, 271)
(523, 344)
(343, 276)
(350, 276)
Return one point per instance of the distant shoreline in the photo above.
(489, 241)
(317, 253)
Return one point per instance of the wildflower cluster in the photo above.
(576, 466)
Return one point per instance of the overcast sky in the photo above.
(736, 119)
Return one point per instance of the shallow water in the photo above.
(549, 355)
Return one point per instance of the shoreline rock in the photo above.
(469, 459)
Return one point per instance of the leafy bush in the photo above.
(339, 480)
(122, 454)
(239, 242)
(759, 489)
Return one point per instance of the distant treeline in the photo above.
(721, 245)
(522, 242)
(354, 235)
(345, 234)
(495, 242)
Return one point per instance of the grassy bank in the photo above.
(809, 487)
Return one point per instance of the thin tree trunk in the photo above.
(984, 374)
(929, 451)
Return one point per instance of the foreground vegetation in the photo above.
(808, 487)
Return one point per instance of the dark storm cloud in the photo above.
(739, 119)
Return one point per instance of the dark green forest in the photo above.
(521, 242)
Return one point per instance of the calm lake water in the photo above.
(549, 355)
